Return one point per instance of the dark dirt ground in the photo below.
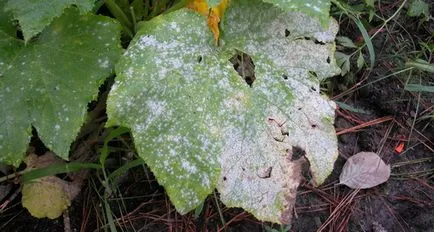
(404, 203)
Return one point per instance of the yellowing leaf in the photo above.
(46, 197)
(214, 14)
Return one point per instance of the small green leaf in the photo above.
(343, 61)
(35, 15)
(318, 9)
(199, 126)
(418, 8)
(370, 3)
(48, 83)
(360, 60)
(345, 41)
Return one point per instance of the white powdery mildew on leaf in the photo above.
(156, 95)
(315, 8)
(284, 98)
(198, 125)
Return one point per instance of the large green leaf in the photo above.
(35, 15)
(318, 9)
(200, 126)
(49, 82)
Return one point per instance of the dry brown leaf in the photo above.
(45, 160)
(364, 170)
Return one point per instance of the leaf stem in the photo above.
(120, 15)
(13, 175)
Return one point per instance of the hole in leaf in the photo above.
(287, 33)
(328, 59)
(313, 126)
(36, 145)
(319, 42)
(313, 89)
(312, 73)
(244, 66)
(265, 173)
(224, 178)
(297, 153)
(278, 139)
(300, 108)
(199, 59)
(307, 38)
(20, 34)
(285, 77)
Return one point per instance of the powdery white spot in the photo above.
(156, 108)
(104, 62)
(57, 127)
(175, 27)
(188, 166)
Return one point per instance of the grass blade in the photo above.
(367, 39)
(58, 169)
(419, 88)
(113, 134)
(421, 65)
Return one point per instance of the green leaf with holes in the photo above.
(48, 83)
(35, 15)
(319, 9)
(200, 126)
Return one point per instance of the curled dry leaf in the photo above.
(364, 170)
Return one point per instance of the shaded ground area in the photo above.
(377, 114)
